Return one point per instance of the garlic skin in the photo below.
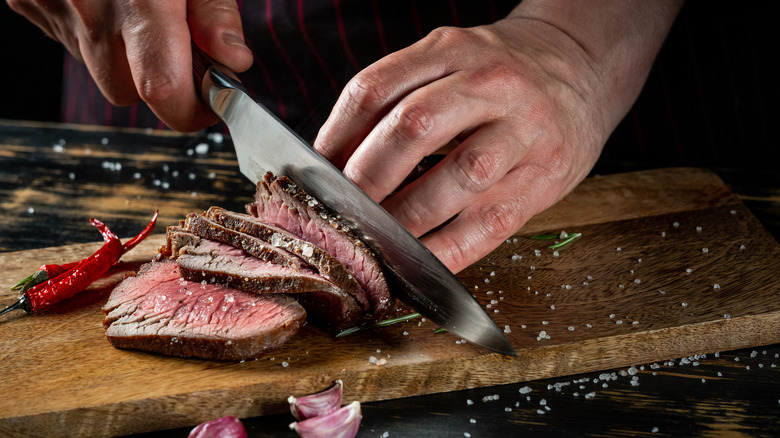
(315, 405)
(342, 423)
(225, 427)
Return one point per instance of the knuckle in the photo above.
(477, 168)
(412, 121)
(157, 88)
(500, 219)
(449, 36)
(411, 213)
(365, 93)
(458, 252)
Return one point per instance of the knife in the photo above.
(265, 144)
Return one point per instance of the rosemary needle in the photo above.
(545, 236)
(384, 323)
(565, 241)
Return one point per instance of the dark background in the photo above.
(711, 100)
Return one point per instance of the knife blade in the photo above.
(265, 144)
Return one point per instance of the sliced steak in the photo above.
(279, 202)
(215, 262)
(316, 257)
(203, 227)
(159, 311)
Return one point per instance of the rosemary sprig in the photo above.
(384, 323)
(565, 241)
(545, 236)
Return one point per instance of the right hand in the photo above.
(141, 50)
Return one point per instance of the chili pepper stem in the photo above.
(22, 304)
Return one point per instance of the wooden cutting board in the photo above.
(670, 264)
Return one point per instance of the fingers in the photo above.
(216, 28)
(461, 179)
(369, 95)
(499, 213)
(418, 125)
(159, 54)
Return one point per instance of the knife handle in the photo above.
(201, 63)
(210, 75)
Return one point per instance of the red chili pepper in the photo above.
(51, 271)
(79, 277)
(130, 244)
(69, 279)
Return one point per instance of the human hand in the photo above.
(529, 103)
(141, 50)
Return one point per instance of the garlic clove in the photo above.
(225, 427)
(342, 423)
(315, 405)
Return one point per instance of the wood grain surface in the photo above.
(639, 286)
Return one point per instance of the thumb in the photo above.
(215, 26)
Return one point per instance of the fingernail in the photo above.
(233, 39)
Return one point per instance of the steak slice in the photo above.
(159, 311)
(279, 202)
(319, 259)
(203, 227)
(215, 262)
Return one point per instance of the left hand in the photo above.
(526, 103)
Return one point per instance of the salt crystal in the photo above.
(71, 176)
(406, 333)
(689, 270)
(202, 148)
(556, 253)
(469, 402)
(537, 253)
(216, 137)
(741, 247)
(619, 321)
(618, 249)
(611, 316)
(137, 175)
(285, 364)
(733, 211)
(726, 316)
(507, 329)
(685, 304)
(588, 326)
(654, 429)
(545, 322)
(30, 210)
(472, 421)
(525, 390)
(590, 395)
(716, 286)
(552, 307)
(516, 257)
(675, 224)
(705, 250)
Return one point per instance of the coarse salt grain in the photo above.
(525, 390)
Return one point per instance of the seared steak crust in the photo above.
(216, 262)
(316, 257)
(279, 202)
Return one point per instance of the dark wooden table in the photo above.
(54, 177)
